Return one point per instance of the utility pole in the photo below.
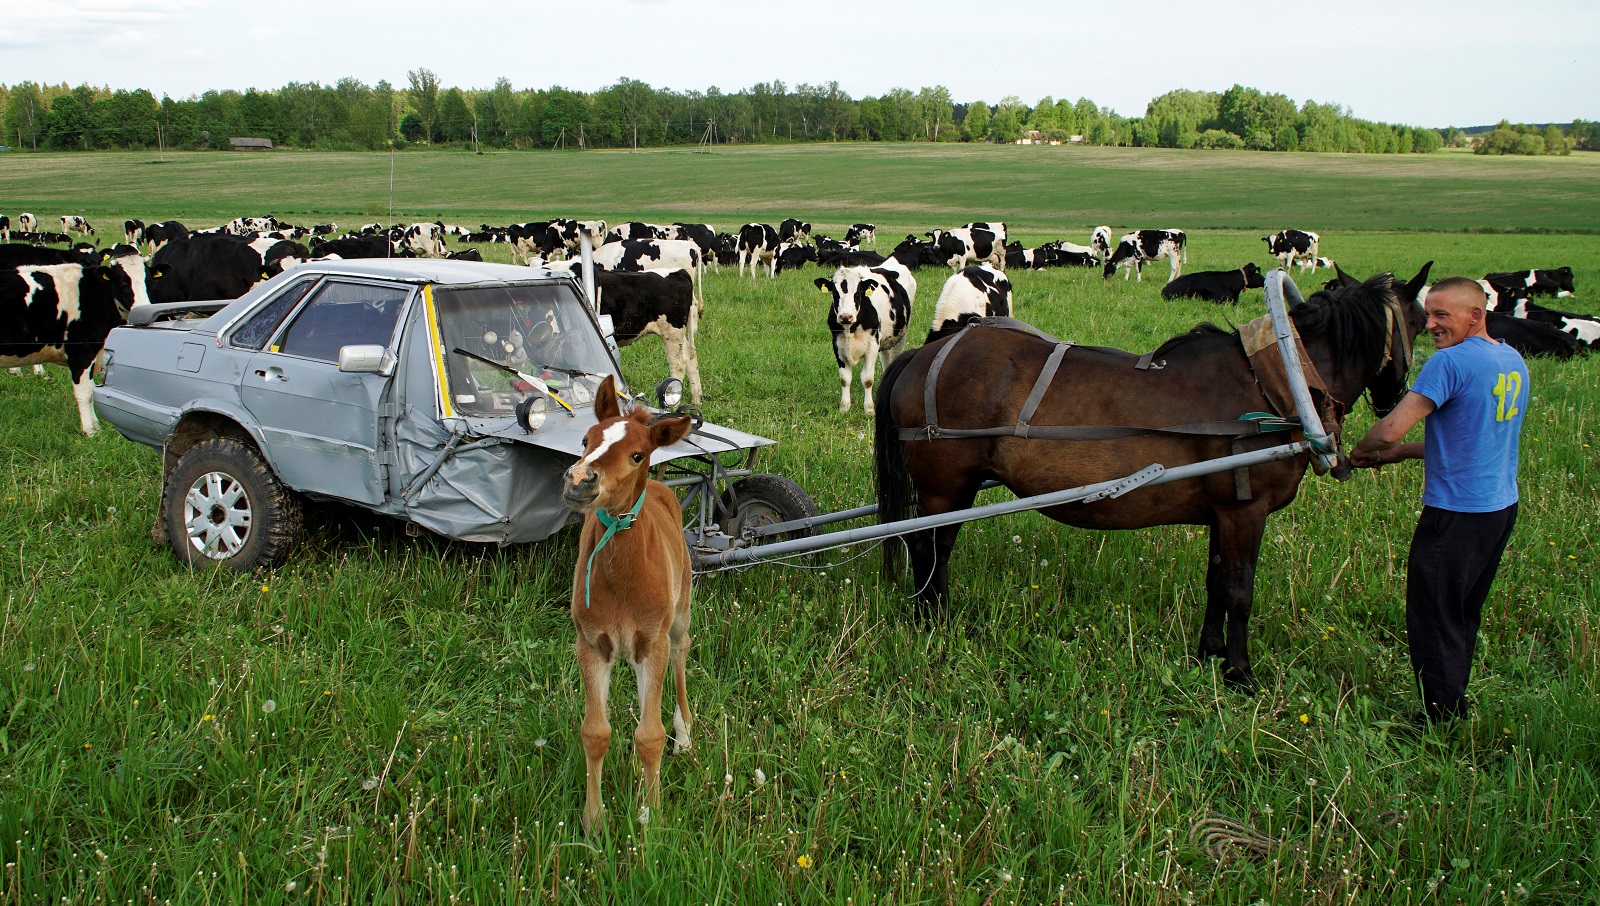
(580, 136)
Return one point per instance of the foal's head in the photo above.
(616, 454)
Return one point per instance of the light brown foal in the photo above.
(630, 591)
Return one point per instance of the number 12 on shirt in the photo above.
(1507, 389)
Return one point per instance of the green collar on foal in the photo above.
(613, 525)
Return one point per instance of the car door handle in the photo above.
(269, 374)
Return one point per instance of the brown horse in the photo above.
(984, 382)
(630, 591)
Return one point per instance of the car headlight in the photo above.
(669, 393)
(531, 412)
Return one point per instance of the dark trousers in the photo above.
(1454, 557)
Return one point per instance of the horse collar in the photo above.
(613, 525)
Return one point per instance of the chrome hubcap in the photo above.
(216, 513)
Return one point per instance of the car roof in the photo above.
(445, 271)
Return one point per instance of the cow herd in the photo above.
(58, 305)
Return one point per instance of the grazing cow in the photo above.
(1522, 284)
(1532, 338)
(324, 229)
(645, 254)
(55, 309)
(27, 223)
(979, 291)
(1141, 246)
(792, 230)
(1100, 242)
(861, 234)
(155, 235)
(658, 301)
(635, 229)
(727, 249)
(217, 266)
(700, 234)
(964, 244)
(72, 223)
(5, 228)
(1294, 246)
(758, 243)
(868, 319)
(131, 230)
(914, 253)
(240, 226)
(792, 256)
(630, 588)
(1215, 286)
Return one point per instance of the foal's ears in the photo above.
(1344, 278)
(605, 400)
(669, 431)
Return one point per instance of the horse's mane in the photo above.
(1349, 318)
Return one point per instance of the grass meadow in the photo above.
(389, 719)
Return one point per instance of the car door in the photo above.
(319, 424)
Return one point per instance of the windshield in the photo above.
(541, 332)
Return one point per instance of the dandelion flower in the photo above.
(644, 815)
(269, 706)
(804, 862)
(540, 742)
(370, 784)
(1305, 718)
(761, 777)
(1016, 539)
(208, 717)
(289, 887)
(264, 590)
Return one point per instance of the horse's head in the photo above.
(616, 454)
(1404, 319)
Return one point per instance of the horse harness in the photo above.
(1260, 347)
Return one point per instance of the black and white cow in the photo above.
(465, 255)
(860, 234)
(1522, 284)
(792, 256)
(646, 254)
(1100, 242)
(967, 244)
(1294, 246)
(324, 229)
(700, 234)
(155, 235)
(845, 256)
(5, 228)
(218, 266)
(758, 244)
(1030, 259)
(792, 230)
(978, 291)
(132, 230)
(1584, 329)
(660, 301)
(727, 249)
(55, 309)
(425, 240)
(868, 319)
(1142, 246)
(27, 223)
(357, 247)
(915, 254)
(240, 226)
(1214, 286)
(72, 223)
(635, 229)
(1532, 338)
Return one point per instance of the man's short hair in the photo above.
(1467, 285)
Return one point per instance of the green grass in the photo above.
(1052, 742)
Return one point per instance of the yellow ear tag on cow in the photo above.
(870, 291)
(265, 275)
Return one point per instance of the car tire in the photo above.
(765, 499)
(225, 507)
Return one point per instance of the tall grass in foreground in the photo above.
(388, 719)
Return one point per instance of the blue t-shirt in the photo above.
(1480, 389)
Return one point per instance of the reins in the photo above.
(613, 524)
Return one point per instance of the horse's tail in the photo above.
(895, 493)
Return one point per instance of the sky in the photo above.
(1421, 62)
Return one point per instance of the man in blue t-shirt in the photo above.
(1473, 393)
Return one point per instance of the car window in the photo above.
(343, 314)
(255, 332)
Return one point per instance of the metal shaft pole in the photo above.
(1279, 285)
(1040, 501)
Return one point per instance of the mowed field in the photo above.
(393, 719)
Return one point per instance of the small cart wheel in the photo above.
(225, 507)
(766, 499)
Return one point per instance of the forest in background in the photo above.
(352, 115)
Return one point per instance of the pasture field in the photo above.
(389, 719)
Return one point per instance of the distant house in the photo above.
(1035, 137)
(251, 144)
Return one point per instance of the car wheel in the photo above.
(225, 507)
(766, 499)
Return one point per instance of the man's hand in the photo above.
(1367, 459)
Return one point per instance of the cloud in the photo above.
(66, 23)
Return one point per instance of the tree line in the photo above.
(351, 115)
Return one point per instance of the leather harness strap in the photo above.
(1040, 385)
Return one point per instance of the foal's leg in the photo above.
(650, 737)
(678, 635)
(1230, 583)
(595, 670)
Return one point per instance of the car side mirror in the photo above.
(365, 360)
